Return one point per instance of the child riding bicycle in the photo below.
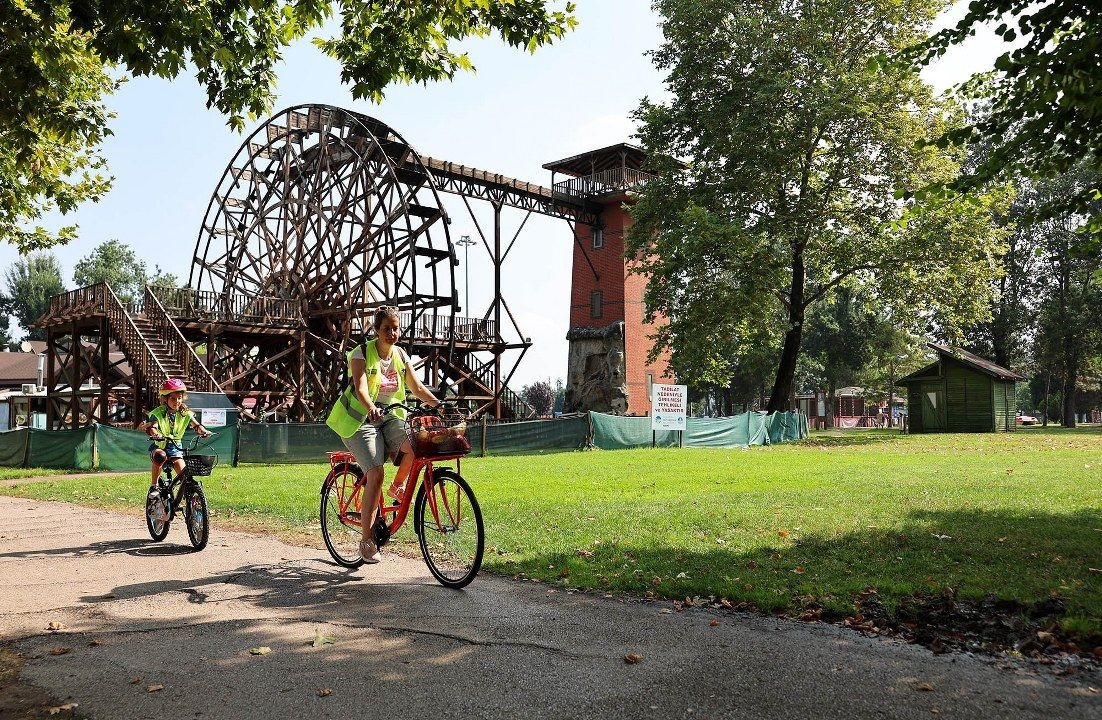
(378, 374)
(166, 426)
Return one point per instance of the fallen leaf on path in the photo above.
(260, 650)
(799, 570)
(324, 692)
(58, 708)
(60, 651)
(55, 626)
(681, 575)
(783, 533)
(1095, 571)
(632, 658)
(154, 688)
(714, 623)
(135, 681)
(924, 687)
(322, 639)
(94, 642)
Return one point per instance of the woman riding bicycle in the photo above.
(166, 426)
(379, 373)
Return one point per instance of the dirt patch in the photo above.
(991, 626)
(20, 701)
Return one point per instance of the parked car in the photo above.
(1023, 419)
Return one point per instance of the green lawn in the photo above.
(7, 473)
(1017, 516)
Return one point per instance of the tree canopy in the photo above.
(59, 56)
(798, 148)
(29, 284)
(116, 264)
(1043, 111)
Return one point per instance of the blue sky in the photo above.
(517, 112)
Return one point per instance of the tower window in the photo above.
(596, 304)
(598, 238)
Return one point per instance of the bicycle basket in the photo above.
(200, 465)
(434, 435)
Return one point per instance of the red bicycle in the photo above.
(446, 518)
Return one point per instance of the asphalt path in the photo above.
(153, 630)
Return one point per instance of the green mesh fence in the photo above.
(62, 449)
(616, 432)
(280, 443)
(120, 449)
(13, 447)
(612, 432)
(531, 437)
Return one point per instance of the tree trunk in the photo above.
(1071, 368)
(829, 405)
(1048, 394)
(783, 389)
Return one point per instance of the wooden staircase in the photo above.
(474, 379)
(155, 348)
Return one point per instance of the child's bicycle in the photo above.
(189, 497)
(446, 517)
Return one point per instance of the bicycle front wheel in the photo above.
(449, 527)
(196, 516)
(157, 517)
(341, 495)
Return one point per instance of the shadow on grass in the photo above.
(848, 438)
(1016, 565)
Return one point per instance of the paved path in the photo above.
(138, 614)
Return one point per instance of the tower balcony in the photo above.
(613, 181)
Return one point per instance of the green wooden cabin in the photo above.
(960, 392)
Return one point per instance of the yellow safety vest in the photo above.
(348, 413)
(171, 430)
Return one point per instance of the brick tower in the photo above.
(607, 368)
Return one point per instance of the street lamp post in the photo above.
(466, 242)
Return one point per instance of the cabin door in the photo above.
(933, 406)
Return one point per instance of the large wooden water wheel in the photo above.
(322, 216)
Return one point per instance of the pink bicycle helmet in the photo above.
(172, 385)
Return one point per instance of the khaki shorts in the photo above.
(373, 442)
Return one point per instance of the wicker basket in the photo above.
(200, 465)
(433, 436)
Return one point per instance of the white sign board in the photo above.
(213, 418)
(667, 407)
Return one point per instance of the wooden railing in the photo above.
(437, 327)
(198, 378)
(236, 308)
(147, 367)
(603, 182)
(485, 373)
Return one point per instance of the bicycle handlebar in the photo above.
(424, 410)
(194, 443)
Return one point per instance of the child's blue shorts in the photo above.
(170, 449)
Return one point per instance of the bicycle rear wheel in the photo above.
(341, 530)
(196, 516)
(449, 528)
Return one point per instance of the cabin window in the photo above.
(596, 304)
(598, 238)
